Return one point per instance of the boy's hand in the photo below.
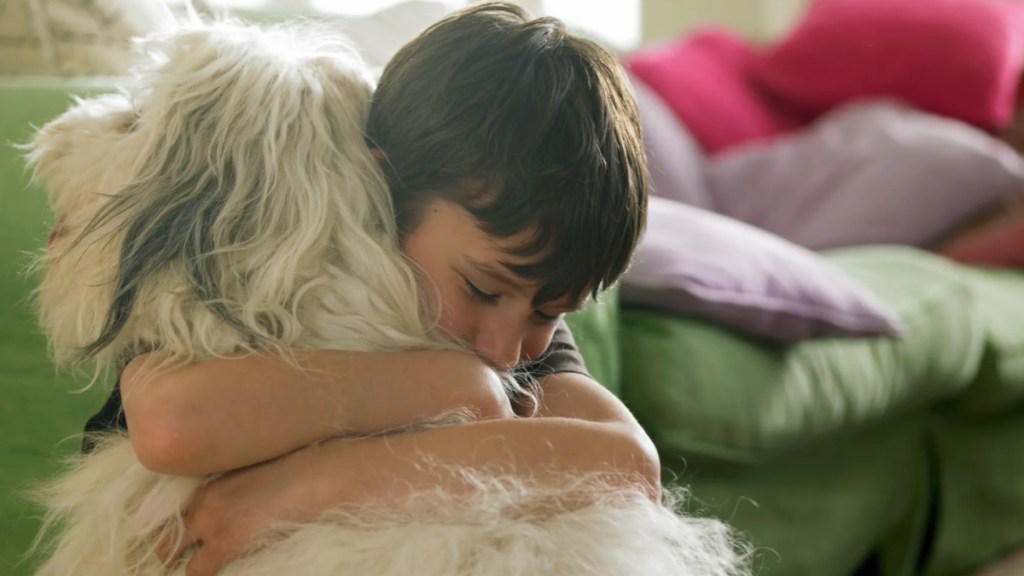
(226, 516)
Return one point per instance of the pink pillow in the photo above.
(704, 80)
(959, 58)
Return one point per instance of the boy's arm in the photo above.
(223, 414)
(570, 395)
(228, 514)
(574, 395)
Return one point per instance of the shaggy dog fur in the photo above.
(226, 202)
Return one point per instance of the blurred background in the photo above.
(33, 31)
(622, 24)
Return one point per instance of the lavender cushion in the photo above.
(674, 159)
(868, 173)
(698, 263)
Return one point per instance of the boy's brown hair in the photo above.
(529, 128)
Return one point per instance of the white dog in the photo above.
(226, 202)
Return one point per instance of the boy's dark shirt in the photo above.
(561, 356)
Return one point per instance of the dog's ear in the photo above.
(83, 158)
(69, 154)
(248, 137)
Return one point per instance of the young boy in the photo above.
(513, 154)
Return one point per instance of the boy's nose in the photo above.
(500, 345)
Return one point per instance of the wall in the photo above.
(757, 19)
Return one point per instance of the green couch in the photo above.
(908, 451)
(39, 409)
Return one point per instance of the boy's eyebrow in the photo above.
(576, 305)
(498, 274)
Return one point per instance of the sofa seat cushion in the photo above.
(831, 504)
(703, 390)
(980, 492)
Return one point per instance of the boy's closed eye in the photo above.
(479, 294)
(489, 298)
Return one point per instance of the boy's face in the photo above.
(475, 297)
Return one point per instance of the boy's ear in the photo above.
(377, 154)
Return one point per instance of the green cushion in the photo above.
(40, 411)
(700, 389)
(980, 464)
(596, 331)
(817, 451)
(999, 302)
(822, 510)
(814, 451)
(978, 439)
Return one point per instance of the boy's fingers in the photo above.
(173, 544)
(207, 561)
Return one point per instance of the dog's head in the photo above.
(225, 201)
(84, 156)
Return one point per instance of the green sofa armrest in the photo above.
(596, 330)
(40, 408)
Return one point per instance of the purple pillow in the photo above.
(694, 262)
(868, 173)
(674, 159)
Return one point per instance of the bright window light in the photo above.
(353, 7)
(348, 7)
(244, 4)
(615, 23)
